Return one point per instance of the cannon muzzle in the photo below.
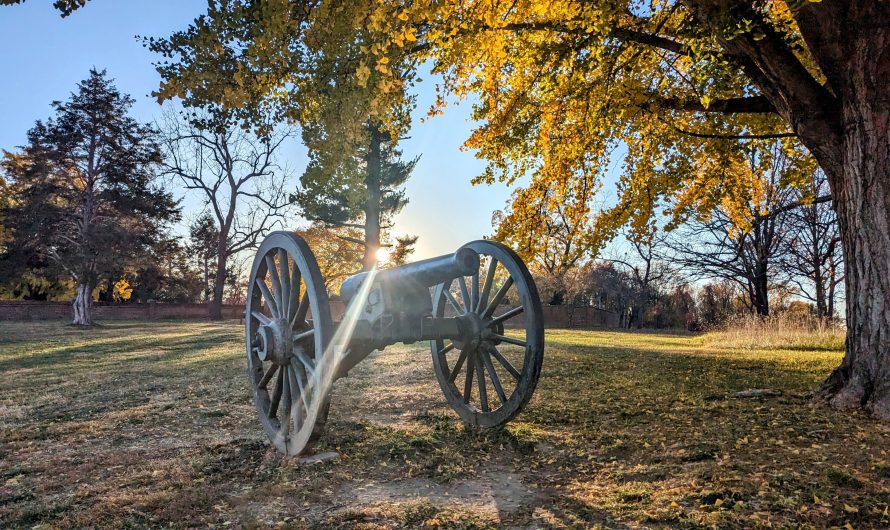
(426, 273)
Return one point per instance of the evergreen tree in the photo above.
(360, 190)
(203, 238)
(86, 200)
(404, 247)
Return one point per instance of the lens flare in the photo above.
(322, 379)
(382, 255)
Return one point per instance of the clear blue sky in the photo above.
(45, 56)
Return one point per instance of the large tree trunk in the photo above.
(863, 378)
(760, 291)
(83, 305)
(372, 204)
(862, 201)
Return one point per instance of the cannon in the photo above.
(478, 308)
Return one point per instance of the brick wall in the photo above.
(21, 310)
(554, 316)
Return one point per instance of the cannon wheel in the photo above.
(506, 366)
(284, 347)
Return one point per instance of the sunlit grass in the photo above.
(152, 424)
(781, 332)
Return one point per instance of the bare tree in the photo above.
(723, 247)
(236, 174)
(649, 274)
(813, 259)
(714, 249)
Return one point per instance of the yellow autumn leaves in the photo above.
(563, 91)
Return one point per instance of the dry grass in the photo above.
(151, 424)
(781, 332)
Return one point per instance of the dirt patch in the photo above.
(493, 490)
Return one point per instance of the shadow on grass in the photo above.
(625, 430)
(104, 350)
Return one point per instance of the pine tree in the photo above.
(404, 247)
(86, 200)
(203, 237)
(361, 190)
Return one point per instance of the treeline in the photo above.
(774, 249)
(678, 304)
(86, 211)
(85, 214)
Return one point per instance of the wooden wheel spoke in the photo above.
(270, 302)
(276, 279)
(474, 293)
(276, 395)
(267, 376)
(452, 300)
(457, 365)
(285, 424)
(480, 380)
(498, 296)
(261, 317)
(464, 294)
(297, 396)
(302, 310)
(303, 335)
(489, 280)
(504, 362)
(295, 302)
(307, 365)
(509, 340)
(506, 316)
(446, 349)
(493, 375)
(468, 382)
(300, 401)
(283, 263)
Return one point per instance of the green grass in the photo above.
(152, 424)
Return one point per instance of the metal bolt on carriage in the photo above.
(486, 353)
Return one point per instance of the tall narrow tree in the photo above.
(203, 243)
(362, 189)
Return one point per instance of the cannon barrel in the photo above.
(425, 273)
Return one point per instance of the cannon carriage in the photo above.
(486, 354)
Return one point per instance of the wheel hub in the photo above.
(472, 329)
(274, 343)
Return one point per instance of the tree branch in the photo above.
(735, 136)
(750, 104)
(810, 108)
(794, 205)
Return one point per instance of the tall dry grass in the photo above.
(787, 331)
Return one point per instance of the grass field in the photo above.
(152, 424)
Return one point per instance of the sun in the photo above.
(382, 254)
